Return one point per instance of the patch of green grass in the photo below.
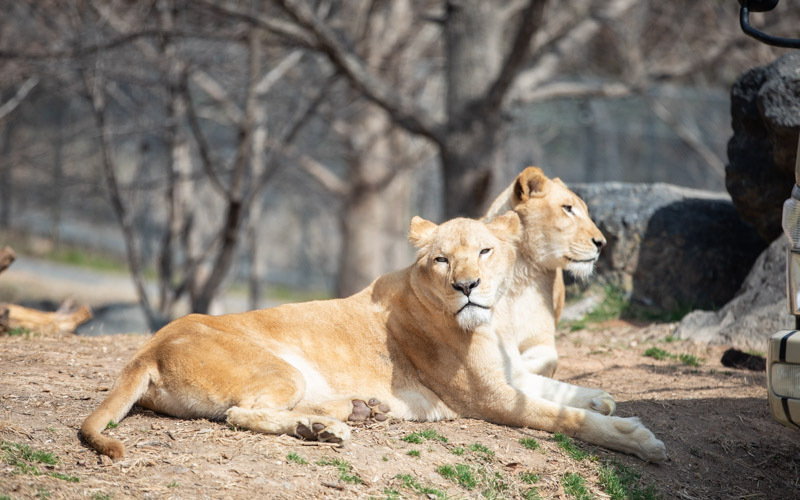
(670, 338)
(427, 434)
(570, 448)
(621, 482)
(754, 352)
(457, 451)
(575, 486)
(661, 354)
(414, 485)
(460, 474)
(173, 484)
(611, 307)
(111, 425)
(496, 486)
(23, 458)
(294, 457)
(480, 448)
(690, 360)
(345, 470)
(19, 331)
(530, 443)
(385, 458)
(65, 477)
(101, 496)
(414, 453)
(42, 492)
(658, 353)
(391, 494)
(529, 477)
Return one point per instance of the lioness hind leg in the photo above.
(298, 424)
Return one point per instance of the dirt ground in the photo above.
(714, 421)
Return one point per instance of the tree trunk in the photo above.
(6, 177)
(473, 35)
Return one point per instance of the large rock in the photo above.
(671, 247)
(757, 311)
(765, 113)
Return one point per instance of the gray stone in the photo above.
(765, 115)
(671, 247)
(758, 310)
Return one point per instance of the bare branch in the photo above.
(23, 91)
(202, 144)
(215, 91)
(529, 24)
(563, 90)
(286, 30)
(403, 111)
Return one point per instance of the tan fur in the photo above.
(554, 239)
(406, 340)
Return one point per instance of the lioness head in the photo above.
(558, 231)
(463, 265)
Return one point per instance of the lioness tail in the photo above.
(130, 386)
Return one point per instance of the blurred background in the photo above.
(276, 150)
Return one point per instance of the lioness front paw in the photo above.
(649, 447)
(371, 409)
(603, 404)
(331, 431)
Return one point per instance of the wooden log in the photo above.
(45, 322)
(7, 257)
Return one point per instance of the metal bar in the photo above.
(744, 22)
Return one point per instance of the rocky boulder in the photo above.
(765, 115)
(758, 310)
(671, 247)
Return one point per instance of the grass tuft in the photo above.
(345, 470)
(427, 434)
(460, 474)
(622, 482)
(414, 485)
(480, 448)
(294, 457)
(575, 486)
(570, 448)
(530, 443)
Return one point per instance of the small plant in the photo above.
(385, 458)
(101, 496)
(111, 425)
(530, 443)
(64, 477)
(529, 477)
(480, 448)
(575, 486)
(412, 484)
(42, 492)
(460, 474)
(457, 451)
(173, 484)
(19, 331)
(23, 458)
(427, 434)
(294, 457)
(658, 353)
(690, 360)
(621, 482)
(345, 470)
(414, 453)
(570, 448)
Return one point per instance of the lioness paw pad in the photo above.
(371, 409)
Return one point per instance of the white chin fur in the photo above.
(473, 317)
(580, 270)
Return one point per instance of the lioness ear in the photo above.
(529, 184)
(507, 227)
(558, 181)
(420, 231)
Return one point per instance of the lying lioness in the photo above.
(557, 234)
(419, 341)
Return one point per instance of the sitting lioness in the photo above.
(419, 341)
(557, 234)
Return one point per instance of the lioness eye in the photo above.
(567, 208)
(485, 251)
(442, 260)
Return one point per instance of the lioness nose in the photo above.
(599, 243)
(466, 286)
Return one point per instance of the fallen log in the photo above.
(23, 319)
